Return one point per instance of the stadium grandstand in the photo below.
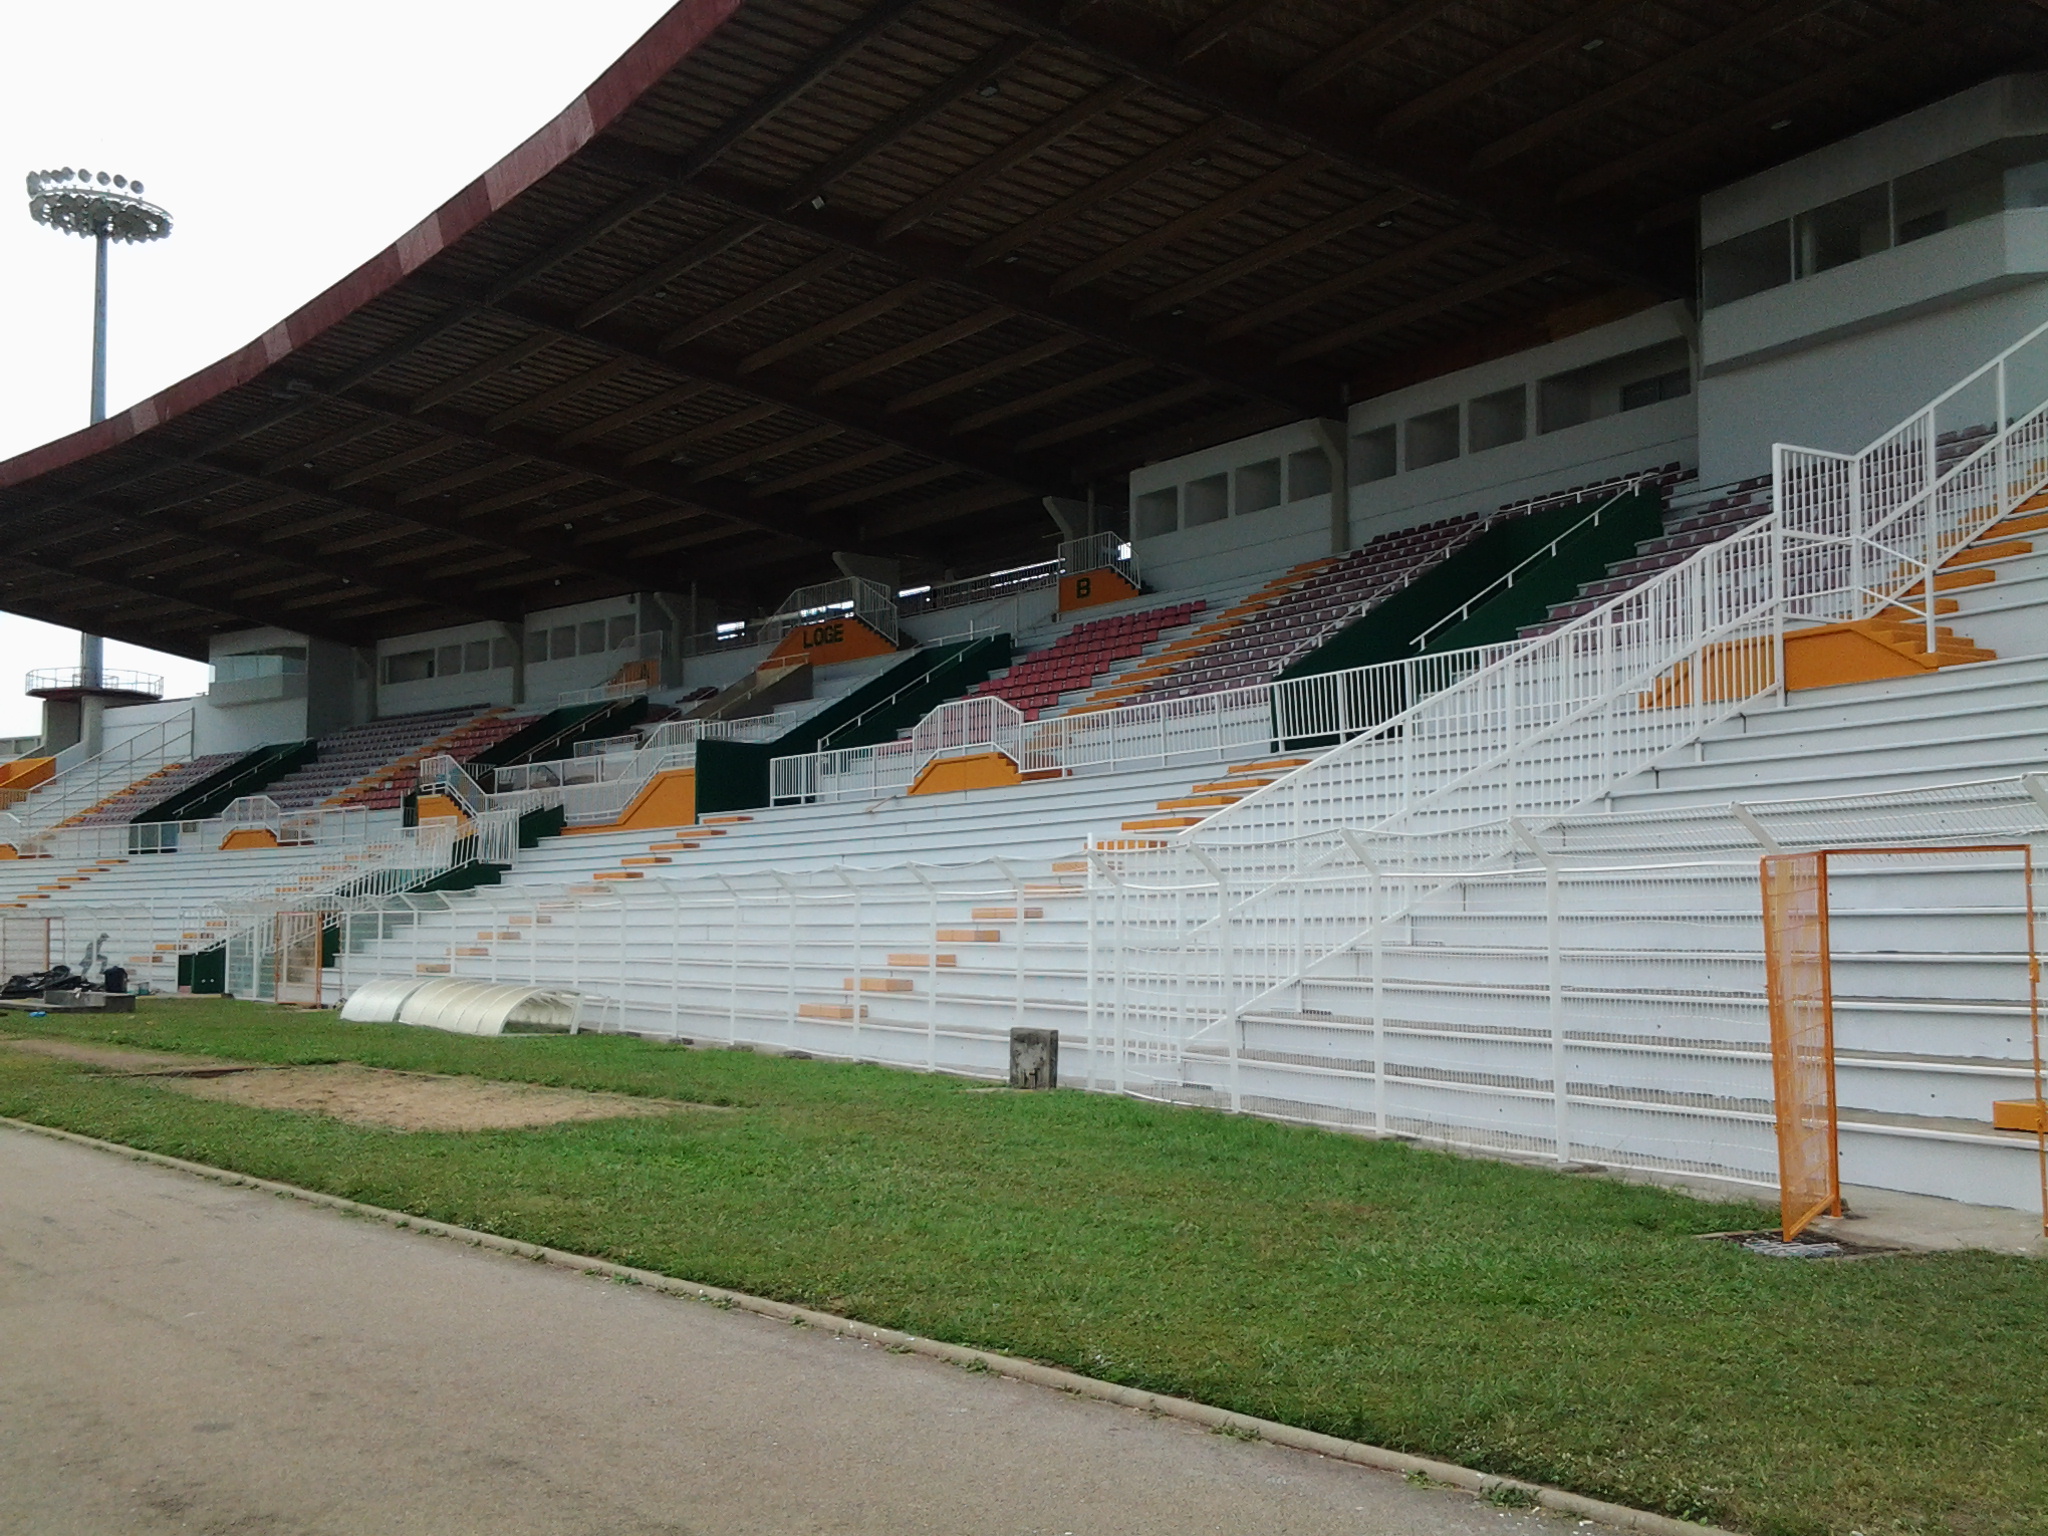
(1263, 535)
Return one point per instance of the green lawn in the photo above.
(1564, 1329)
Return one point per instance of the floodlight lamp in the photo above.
(95, 204)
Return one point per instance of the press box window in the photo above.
(623, 630)
(1499, 419)
(1433, 438)
(1258, 486)
(1751, 263)
(1208, 500)
(476, 656)
(1843, 231)
(1308, 474)
(1372, 456)
(409, 667)
(1665, 386)
(561, 642)
(1158, 512)
(501, 653)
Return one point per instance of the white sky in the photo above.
(289, 141)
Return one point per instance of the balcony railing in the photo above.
(105, 680)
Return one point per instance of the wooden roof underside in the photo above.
(878, 275)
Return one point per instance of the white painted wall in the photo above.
(1841, 393)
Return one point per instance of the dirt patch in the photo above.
(114, 1058)
(416, 1101)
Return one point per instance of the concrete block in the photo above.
(1034, 1058)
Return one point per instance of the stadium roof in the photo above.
(798, 276)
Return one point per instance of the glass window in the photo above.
(624, 629)
(447, 660)
(409, 667)
(536, 646)
(502, 653)
(590, 637)
(1432, 438)
(1499, 418)
(1372, 456)
(1258, 486)
(1159, 512)
(1948, 194)
(1751, 263)
(561, 642)
(1665, 386)
(1208, 501)
(1843, 231)
(476, 656)
(1308, 474)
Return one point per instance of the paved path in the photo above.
(177, 1355)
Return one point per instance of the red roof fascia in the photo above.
(663, 46)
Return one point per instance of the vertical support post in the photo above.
(1088, 984)
(675, 963)
(99, 327)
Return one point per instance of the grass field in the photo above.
(1564, 1329)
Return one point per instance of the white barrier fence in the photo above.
(77, 789)
(1868, 532)
(1605, 1006)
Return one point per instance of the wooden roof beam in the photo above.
(1011, 155)
(1014, 287)
(1216, 26)
(981, 373)
(982, 71)
(1116, 415)
(1361, 46)
(1503, 64)
(702, 365)
(1411, 163)
(921, 346)
(1304, 239)
(1765, 108)
(1358, 277)
(1124, 252)
(1745, 34)
(1430, 304)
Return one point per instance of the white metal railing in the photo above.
(1550, 722)
(1870, 531)
(605, 692)
(1010, 581)
(1107, 551)
(1620, 1020)
(1506, 581)
(78, 788)
(1284, 715)
(90, 679)
(851, 597)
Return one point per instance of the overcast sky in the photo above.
(289, 142)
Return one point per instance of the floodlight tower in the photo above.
(104, 208)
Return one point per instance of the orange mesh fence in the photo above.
(1802, 1036)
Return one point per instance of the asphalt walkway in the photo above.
(179, 1355)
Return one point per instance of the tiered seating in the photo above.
(1081, 655)
(138, 797)
(347, 758)
(1706, 517)
(387, 788)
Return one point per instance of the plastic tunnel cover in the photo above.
(378, 1002)
(487, 1008)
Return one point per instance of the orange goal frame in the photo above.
(1798, 966)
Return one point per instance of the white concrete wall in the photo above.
(1841, 393)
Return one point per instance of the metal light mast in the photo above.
(104, 208)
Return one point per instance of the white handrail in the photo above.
(1506, 581)
(1868, 532)
(82, 786)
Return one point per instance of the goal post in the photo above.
(1799, 977)
(1800, 983)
